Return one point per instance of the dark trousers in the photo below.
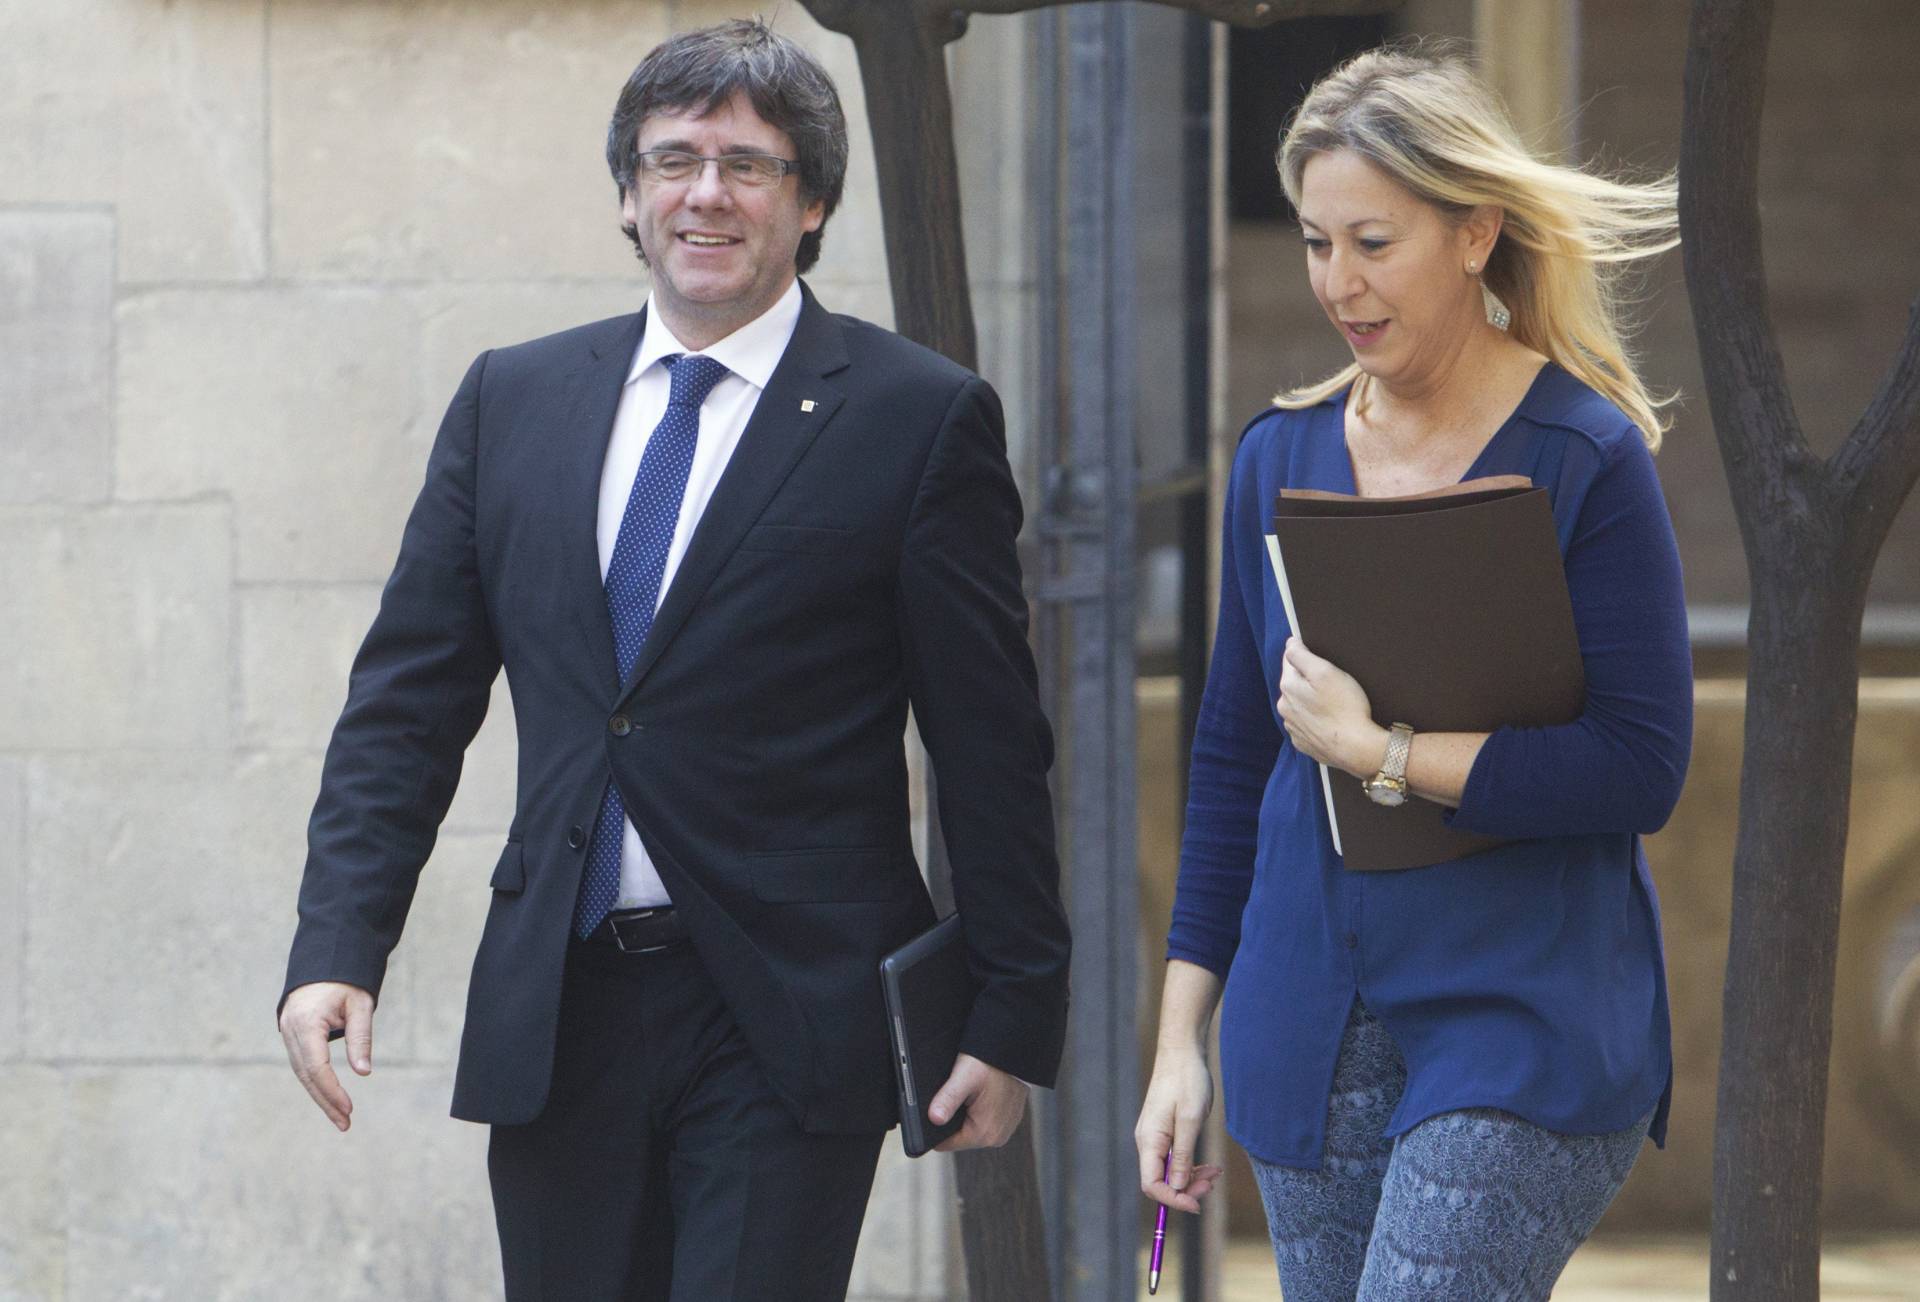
(664, 1169)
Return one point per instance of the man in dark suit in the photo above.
(719, 547)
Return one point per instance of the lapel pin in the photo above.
(806, 404)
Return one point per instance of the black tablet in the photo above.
(929, 993)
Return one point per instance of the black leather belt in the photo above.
(641, 931)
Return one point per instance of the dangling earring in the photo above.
(1497, 315)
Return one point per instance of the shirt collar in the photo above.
(751, 352)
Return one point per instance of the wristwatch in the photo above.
(1389, 785)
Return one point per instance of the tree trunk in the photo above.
(1812, 531)
(1778, 999)
(903, 70)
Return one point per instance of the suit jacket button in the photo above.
(619, 726)
(576, 836)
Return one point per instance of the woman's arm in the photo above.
(1327, 715)
(1234, 748)
(1616, 768)
(1235, 745)
(1180, 1091)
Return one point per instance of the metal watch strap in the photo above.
(1399, 745)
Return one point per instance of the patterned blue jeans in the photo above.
(1474, 1206)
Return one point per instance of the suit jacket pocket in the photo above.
(812, 540)
(830, 876)
(510, 874)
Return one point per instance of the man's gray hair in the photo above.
(700, 71)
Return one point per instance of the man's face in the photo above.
(721, 252)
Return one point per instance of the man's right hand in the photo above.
(310, 1014)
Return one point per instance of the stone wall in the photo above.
(247, 249)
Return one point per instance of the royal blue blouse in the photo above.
(1528, 977)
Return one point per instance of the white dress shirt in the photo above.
(750, 354)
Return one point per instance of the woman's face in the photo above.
(1390, 270)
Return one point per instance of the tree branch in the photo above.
(1753, 418)
(946, 18)
(949, 17)
(910, 112)
(1879, 463)
(1243, 13)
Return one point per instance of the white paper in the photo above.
(1286, 604)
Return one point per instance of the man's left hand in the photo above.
(995, 1102)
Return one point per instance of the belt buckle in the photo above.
(621, 941)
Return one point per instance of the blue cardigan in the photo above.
(1528, 977)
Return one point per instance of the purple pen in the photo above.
(1159, 1233)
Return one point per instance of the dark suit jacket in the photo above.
(855, 557)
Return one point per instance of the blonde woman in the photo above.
(1443, 1074)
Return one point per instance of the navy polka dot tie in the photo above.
(633, 588)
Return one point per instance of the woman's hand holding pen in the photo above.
(1327, 714)
(1178, 1100)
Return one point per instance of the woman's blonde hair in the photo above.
(1424, 119)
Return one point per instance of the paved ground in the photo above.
(1642, 1270)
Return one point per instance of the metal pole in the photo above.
(1088, 524)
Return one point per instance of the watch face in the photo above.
(1387, 792)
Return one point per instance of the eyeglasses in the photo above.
(752, 170)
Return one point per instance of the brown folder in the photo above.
(1451, 610)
